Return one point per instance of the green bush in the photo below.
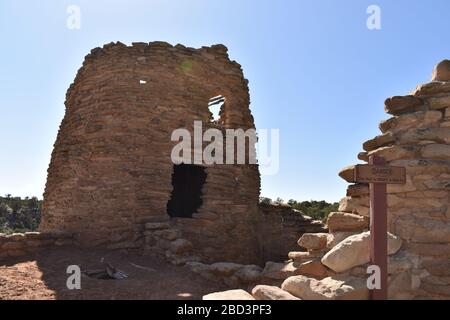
(19, 215)
(318, 210)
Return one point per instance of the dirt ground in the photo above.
(43, 276)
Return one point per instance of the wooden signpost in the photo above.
(378, 175)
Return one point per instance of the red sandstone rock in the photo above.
(442, 71)
(403, 104)
(342, 221)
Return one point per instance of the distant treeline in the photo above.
(318, 210)
(19, 215)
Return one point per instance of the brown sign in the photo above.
(366, 173)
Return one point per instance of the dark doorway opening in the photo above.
(186, 198)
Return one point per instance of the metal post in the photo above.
(378, 231)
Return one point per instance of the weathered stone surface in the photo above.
(437, 267)
(201, 269)
(415, 167)
(249, 273)
(348, 173)
(237, 294)
(441, 71)
(180, 246)
(420, 119)
(304, 256)
(357, 205)
(13, 245)
(436, 151)
(313, 241)
(314, 269)
(157, 225)
(399, 263)
(432, 88)
(363, 156)
(357, 190)
(281, 271)
(439, 103)
(280, 228)
(262, 292)
(331, 288)
(355, 251)
(429, 249)
(440, 291)
(224, 268)
(167, 234)
(343, 221)
(379, 141)
(338, 236)
(401, 188)
(402, 104)
(396, 152)
(399, 286)
(418, 229)
(437, 135)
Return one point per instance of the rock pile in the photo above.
(417, 137)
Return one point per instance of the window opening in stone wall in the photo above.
(215, 104)
(186, 197)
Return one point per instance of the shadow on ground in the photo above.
(43, 276)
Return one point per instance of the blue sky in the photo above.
(316, 72)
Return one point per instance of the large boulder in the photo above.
(355, 251)
(331, 288)
(263, 292)
(442, 71)
(338, 236)
(343, 221)
(402, 104)
(314, 269)
(237, 294)
(356, 205)
(313, 241)
(348, 173)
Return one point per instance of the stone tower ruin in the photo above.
(111, 170)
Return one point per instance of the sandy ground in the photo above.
(43, 276)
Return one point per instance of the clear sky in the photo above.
(316, 72)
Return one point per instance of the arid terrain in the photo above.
(43, 276)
